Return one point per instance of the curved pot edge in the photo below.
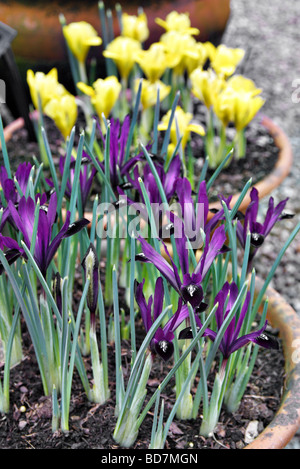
(11, 128)
(280, 171)
(287, 419)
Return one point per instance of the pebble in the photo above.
(22, 424)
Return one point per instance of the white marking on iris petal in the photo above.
(191, 289)
(163, 344)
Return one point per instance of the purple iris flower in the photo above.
(9, 188)
(196, 216)
(45, 247)
(86, 178)
(231, 341)
(168, 180)
(118, 167)
(189, 287)
(11, 249)
(162, 341)
(258, 231)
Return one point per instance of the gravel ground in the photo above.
(270, 34)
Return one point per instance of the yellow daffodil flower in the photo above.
(224, 106)
(155, 60)
(185, 126)
(135, 27)
(246, 107)
(241, 83)
(238, 102)
(63, 111)
(177, 22)
(44, 85)
(149, 92)
(224, 60)
(182, 47)
(122, 51)
(210, 49)
(80, 36)
(206, 85)
(202, 55)
(104, 93)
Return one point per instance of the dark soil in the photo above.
(28, 424)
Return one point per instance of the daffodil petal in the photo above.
(197, 128)
(85, 88)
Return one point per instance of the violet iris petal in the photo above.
(162, 342)
(160, 263)
(185, 199)
(10, 191)
(45, 249)
(231, 342)
(196, 217)
(258, 231)
(170, 177)
(86, 178)
(118, 168)
(145, 308)
(189, 287)
(168, 180)
(11, 249)
(8, 185)
(212, 248)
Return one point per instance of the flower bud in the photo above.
(90, 265)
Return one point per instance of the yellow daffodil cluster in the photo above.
(176, 61)
(238, 102)
(55, 101)
(233, 98)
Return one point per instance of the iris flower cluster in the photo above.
(183, 287)
(190, 291)
(21, 213)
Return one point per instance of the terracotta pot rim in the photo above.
(278, 174)
(287, 419)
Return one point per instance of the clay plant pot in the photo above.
(40, 38)
(11, 128)
(281, 170)
(287, 419)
